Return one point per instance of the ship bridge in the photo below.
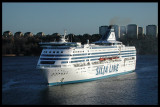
(61, 44)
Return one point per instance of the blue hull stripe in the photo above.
(86, 80)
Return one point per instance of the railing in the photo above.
(48, 66)
(52, 66)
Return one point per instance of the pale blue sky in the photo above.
(76, 18)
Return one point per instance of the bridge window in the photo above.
(47, 62)
(63, 62)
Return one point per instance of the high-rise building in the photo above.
(132, 31)
(117, 31)
(122, 31)
(103, 30)
(152, 30)
(140, 32)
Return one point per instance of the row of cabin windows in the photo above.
(78, 51)
(62, 51)
(92, 50)
(63, 62)
(53, 51)
(59, 73)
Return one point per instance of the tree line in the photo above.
(146, 45)
(29, 46)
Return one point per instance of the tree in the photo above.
(95, 37)
(70, 37)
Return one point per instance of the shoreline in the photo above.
(9, 55)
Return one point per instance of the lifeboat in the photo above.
(108, 58)
(115, 57)
(101, 59)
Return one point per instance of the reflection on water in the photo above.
(23, 84)
(121, 89)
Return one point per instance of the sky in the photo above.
(76, 18)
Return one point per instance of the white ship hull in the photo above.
(57, 76)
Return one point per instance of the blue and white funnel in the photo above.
(109, 37)
(110, 34)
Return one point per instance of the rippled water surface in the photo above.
(23, 84)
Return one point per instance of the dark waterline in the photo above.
(22, 84)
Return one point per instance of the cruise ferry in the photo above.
(65, 62)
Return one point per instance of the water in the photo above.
(22, 84)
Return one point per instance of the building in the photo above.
(7, 33)
(40, 34)
(123, 31)
(117, 31)
(28, 34)
(132, 31)
(140, 32)
(18, 34)
(103, 30)
(152, 30)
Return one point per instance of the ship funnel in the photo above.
(110, 34)
(109, 37)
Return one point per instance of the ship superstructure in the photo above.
(70, 62)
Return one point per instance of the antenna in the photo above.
(64, 33)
